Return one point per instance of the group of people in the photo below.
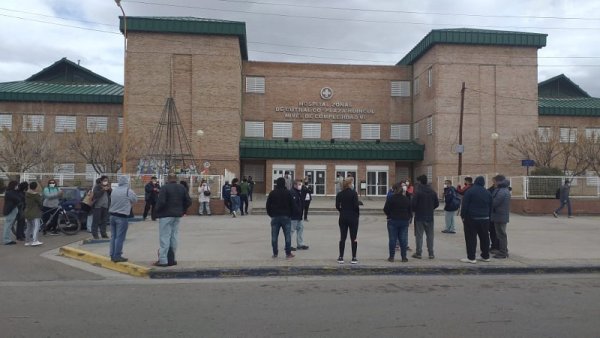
(236, 196)
(24, 205)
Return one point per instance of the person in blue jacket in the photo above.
(475, 212)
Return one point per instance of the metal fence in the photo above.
(537, 186)
(137, 182)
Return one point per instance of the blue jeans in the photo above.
(168, 231)
(397, 232)
(235, 203)
(450, 220)
(118, 229)
(298, 227)
(8, 221)
(281, 222)
(566, 202)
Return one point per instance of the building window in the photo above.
(254, 129)
(568, 135)
(429, 174)
(400, 88)
(377, 180)
(370, 131)
(255, 84)
(416, 130)
(340, 130)
(6, 121)
(282, 129)
(417, 85)
(33, 123)
(544, 134)
(97, 124)
(311, 130)
(121, 124)
(429, 77)
(591, 178)
(430, 125)
(65, 124)
(400, 132)
(592, 134)
(67, 170)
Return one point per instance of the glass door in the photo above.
(377, 183)
(316, 179)
(277, 173)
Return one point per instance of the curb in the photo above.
(103, 261)
(363, 271)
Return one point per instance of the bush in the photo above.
(547, 171)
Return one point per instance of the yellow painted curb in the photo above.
(103, 261)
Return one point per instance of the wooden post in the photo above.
(460, 128)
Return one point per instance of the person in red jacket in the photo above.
(463, 189)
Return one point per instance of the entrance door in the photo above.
(316, 179)
(377, 183)
(347, 174)
(277, 173)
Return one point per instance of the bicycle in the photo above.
(67, 222)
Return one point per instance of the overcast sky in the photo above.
(36, 33)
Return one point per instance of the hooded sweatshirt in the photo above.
(424, 202)
(501, 202)
(477, 203)
(279, 202)
(122, 198)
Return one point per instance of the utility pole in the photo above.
(461, 148)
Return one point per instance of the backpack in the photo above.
(454, 202)
(557, 194)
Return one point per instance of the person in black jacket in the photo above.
(475, 212)
(10, 211)
(307, 192)
(173, 202)
(424, 201)
(279, 208)
(150, 196)
(399, 214)
(296, 219)
(21, 189)
(346, 202)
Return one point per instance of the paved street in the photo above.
(433, 306)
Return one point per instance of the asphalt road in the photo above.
(432, 306)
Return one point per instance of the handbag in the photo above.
(206, 193)
(88, 199)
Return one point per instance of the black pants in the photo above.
(46, 214)
(477, 228)
(20, 226)
(100, 220)
(149, 206)
(493, 238)
(244, 204)
(306, 206)
(348, 223)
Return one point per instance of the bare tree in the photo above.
(573, 150)
(541, 146)
(592, 152)
(27, 146)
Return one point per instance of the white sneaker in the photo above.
(36, 243)
(27, 243)
(466, 260)
(484, 259)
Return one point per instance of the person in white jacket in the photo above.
(204, 199)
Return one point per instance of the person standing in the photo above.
(21, 223)
(398, 210)
(500, 214)
(451, 205)
(204, 198)
(226, 195)
(468, 183)
(244, 191)
(564, 192)
(307, 191)
(296, 218)
(289, 181)
(475, 213)
(346, 202)
(338, 183)
(235, 197)
(10, 211)
(121, 202)
(173, 202)
(102, 193)
(250, 187)
(423, 203)
(33, 215)
(279, 208)
(150, 195)
(51, 199)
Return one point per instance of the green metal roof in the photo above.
(586, 106)
(188, 25)
(466, 36)
(54, 92)
(325, 150)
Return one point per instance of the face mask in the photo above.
(104, 182)
(445, 186)
(299, 186)
(407, 182)
(51, 185)
(404, 188)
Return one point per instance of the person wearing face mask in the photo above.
(51, 195)
(307, 192)
(451, 205)
(101, 204)
(296, 219)
(346, 202)
(151, 196)
(204, 199)
(399, 213)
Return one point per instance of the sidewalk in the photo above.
(218, 246)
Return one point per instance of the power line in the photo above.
(57, 17)
(59, 24)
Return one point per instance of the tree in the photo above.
(27, 146)
(573, 150)
(541, 146)
(102, 148)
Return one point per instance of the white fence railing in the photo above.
(536, 186)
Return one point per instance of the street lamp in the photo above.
(495, 137)
(124, 148)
